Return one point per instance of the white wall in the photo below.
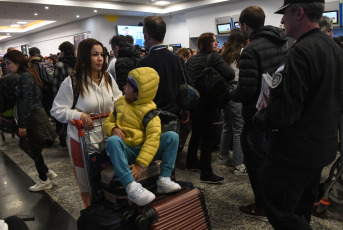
(181, 27)
(49, 40)
(198, 21)
(177, 30)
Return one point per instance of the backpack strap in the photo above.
(76, 91)
(115, 113)
(209, 60)
(149, 116)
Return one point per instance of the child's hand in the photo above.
(136, 171)
(118, 132)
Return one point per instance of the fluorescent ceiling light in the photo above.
(14, 25)
(22, 23)
(162, 3)
(35, 14)
(24, 28)
(4, 36)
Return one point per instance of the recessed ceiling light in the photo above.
(8, 34)
(46, 7)
(95, 11)
(162, 3)
(77, 16)
(22, 23)
(35, 14)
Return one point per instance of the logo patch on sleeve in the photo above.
(277, 78)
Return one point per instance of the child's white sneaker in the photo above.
(166, 185)
(138, 194)
(41, 185)
(51, 174)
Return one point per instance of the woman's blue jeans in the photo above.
(122, 156)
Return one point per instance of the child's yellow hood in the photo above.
(147, 80)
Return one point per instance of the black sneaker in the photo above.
(211, 178)
(252, 211)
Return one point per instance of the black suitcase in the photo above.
(103, 215)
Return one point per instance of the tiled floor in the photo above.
(222, 200)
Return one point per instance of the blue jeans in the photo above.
(122, 156)
(232, 129)
(253, 144)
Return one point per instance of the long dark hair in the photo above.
(204, 43)
(83, 64)
(233, 47)
(18, 58)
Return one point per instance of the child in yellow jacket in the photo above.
(132, 146)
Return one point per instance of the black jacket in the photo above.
(305, 103)
(197, 63)
(262, 55)
(167, 66)
(127, 60)
(7, 91)
(29, 98)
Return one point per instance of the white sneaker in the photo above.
(51, 174)
(166, 185)
(138, 194)
(41, 185)
(240, 170)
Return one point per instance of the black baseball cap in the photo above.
(287, 3)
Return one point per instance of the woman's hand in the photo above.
(22, 132)
(87, 122)
(118, 132)
(136, 171)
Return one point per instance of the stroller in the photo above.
(332, 188)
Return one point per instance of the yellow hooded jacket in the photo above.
(130, 116)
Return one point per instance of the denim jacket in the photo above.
(29, 98)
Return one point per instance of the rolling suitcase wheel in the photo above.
(149, 217)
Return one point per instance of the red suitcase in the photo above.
(183, 210)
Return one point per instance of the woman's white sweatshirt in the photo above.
(97, 99)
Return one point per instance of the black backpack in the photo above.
(213, 87)
(8, 98)
(46, 73)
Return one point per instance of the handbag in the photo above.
(188, 96)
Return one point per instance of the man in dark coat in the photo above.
(166, 64)
(127, 59)
(303, 114)
(262, 55)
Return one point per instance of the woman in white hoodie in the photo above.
(97, 93)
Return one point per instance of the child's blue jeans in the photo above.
(122, 156)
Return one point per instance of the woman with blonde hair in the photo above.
(97, 94)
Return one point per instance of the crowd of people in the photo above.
(281, 144)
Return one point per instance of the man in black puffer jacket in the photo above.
(262, 55)
(127, 58)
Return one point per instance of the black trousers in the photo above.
(34, 150)
(203, 133)
(289, 194)
(253, 143)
